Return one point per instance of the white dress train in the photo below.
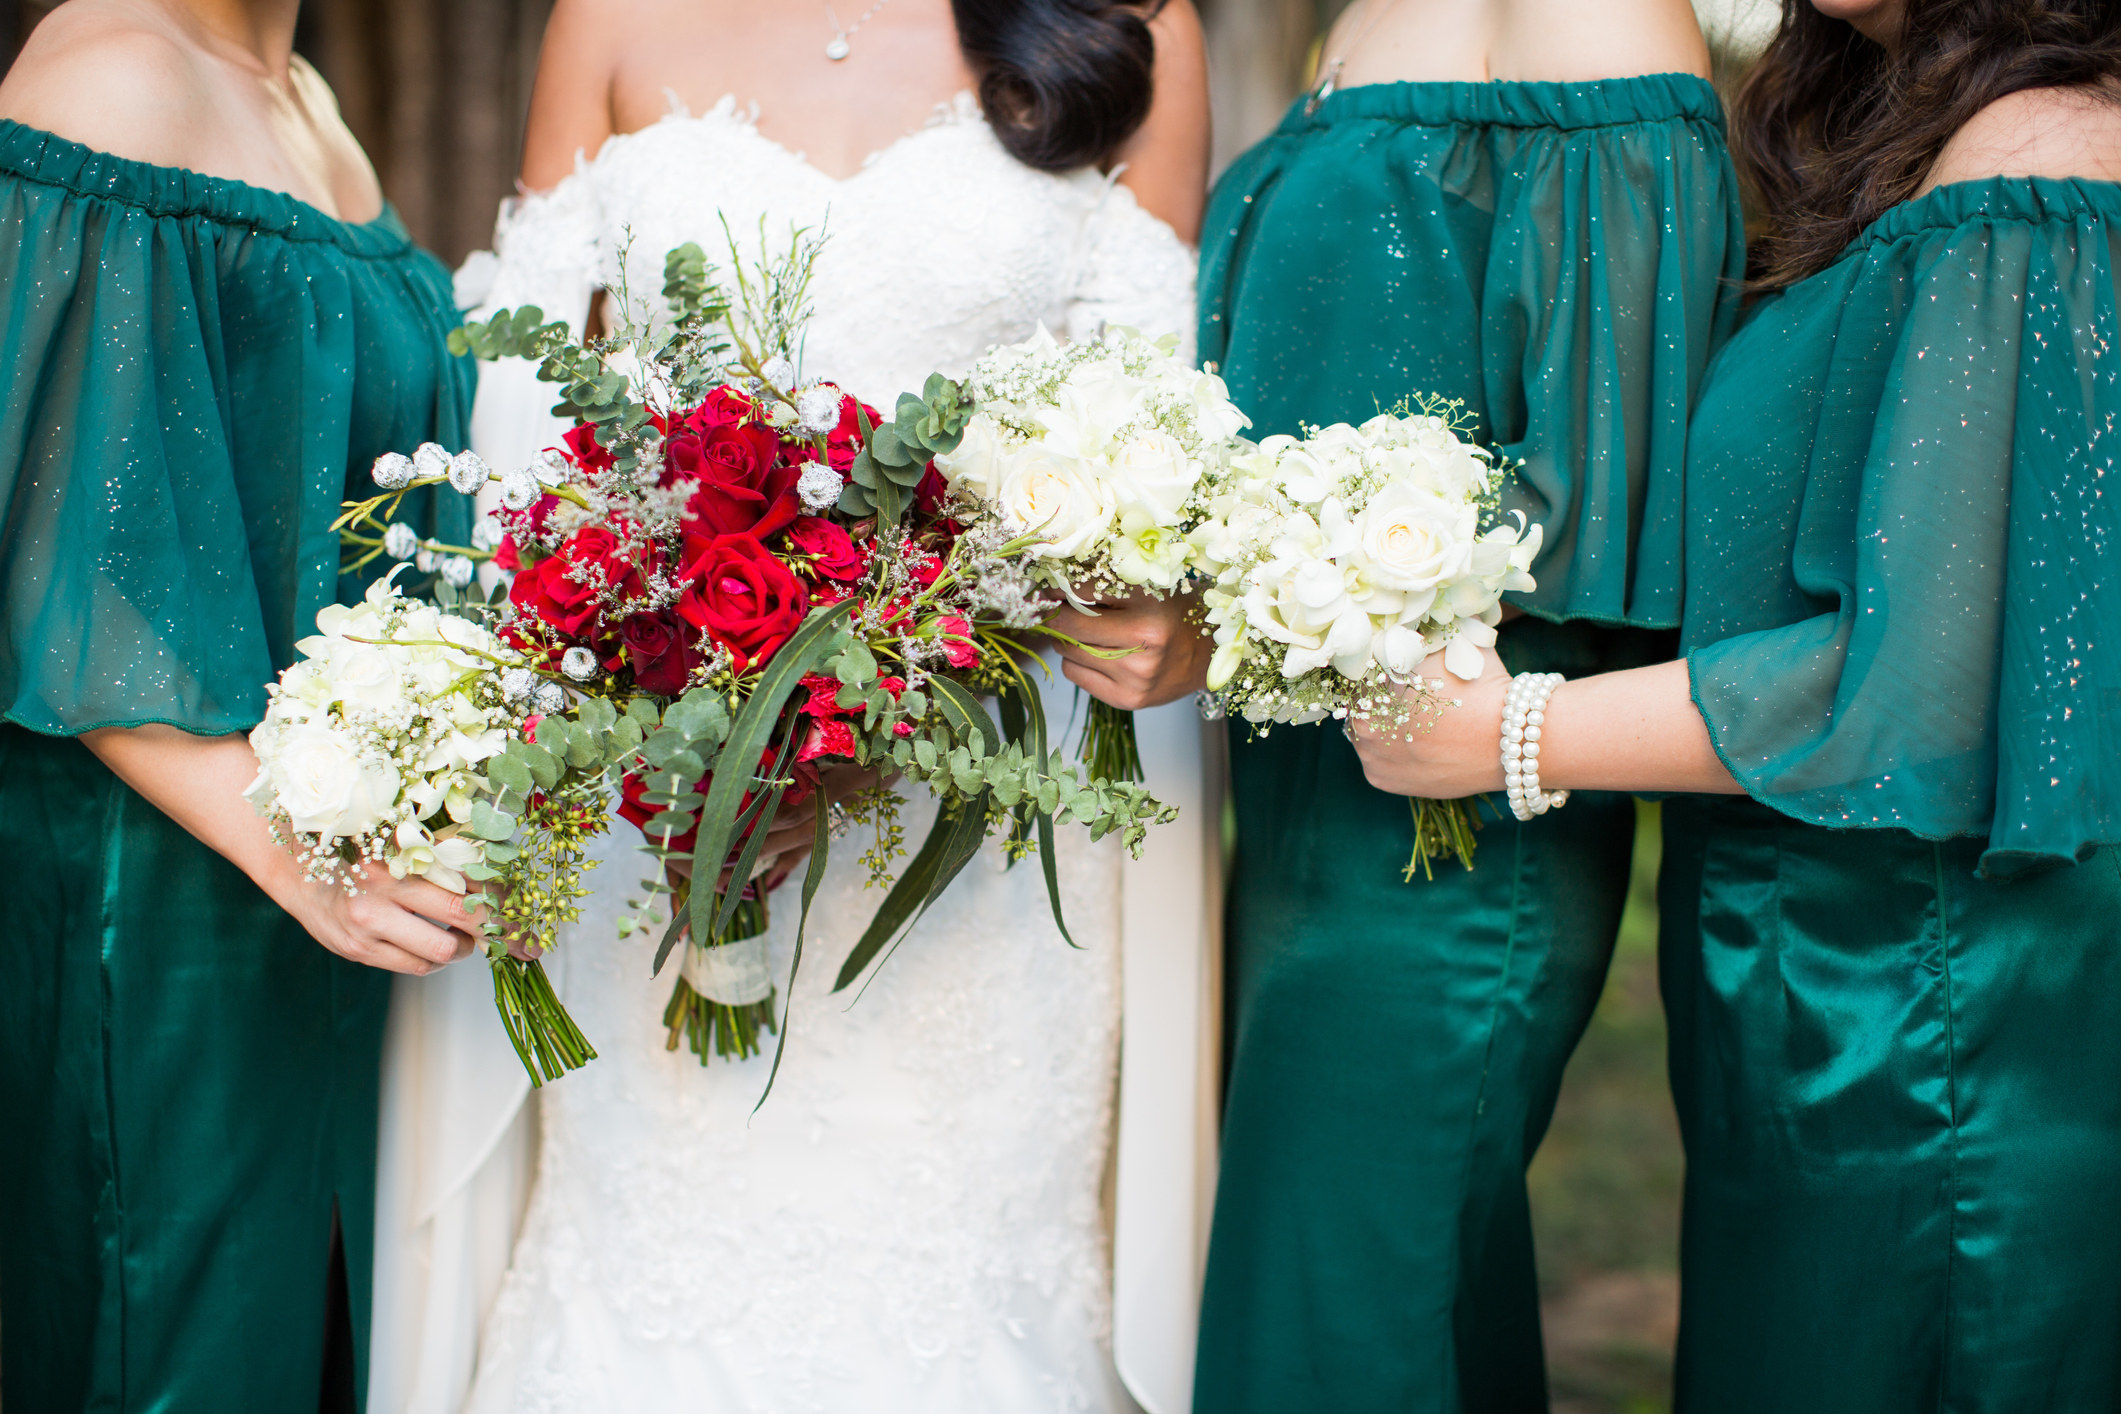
(915, 1221)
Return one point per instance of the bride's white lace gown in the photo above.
(913, 1221)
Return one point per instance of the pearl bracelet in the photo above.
(1523, 714)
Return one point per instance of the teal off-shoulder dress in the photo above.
(1894, 971)
(193, 374)
(1561, 257)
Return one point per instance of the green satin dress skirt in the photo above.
(1396, 1049)
(1900, 1088)
(188, 1090)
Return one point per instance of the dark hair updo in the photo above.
(1832, 129)
(1063, 82)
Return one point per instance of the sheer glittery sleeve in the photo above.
(1560, 258)
(193, 375)
(1908, 467)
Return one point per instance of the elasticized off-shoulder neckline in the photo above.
(46, 159)
(1648, 98)
(2030, 200)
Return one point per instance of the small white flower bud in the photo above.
(393, 471)
(520, 490)
(458, 570)
(549, 698)
(579, 664)
(819, 487)
(424, 560)
(485, 533)
(518, 683)
(817, 410)
(468, 471)
(551, 467)
(400, 540)
(779, 372)
(429, 459)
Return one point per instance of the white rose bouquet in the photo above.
(1342, 560)
(1097, 453)
(377, 747)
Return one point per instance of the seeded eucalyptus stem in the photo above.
(1442, 828)
(1109, 747)
(710, 1028)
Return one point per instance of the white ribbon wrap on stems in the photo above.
(736, 973)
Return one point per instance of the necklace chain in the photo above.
(1329, 72)
(837, 47)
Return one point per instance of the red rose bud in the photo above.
(830, 549)
(741, 596)
(658, 648)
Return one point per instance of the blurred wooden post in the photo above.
(437, 93)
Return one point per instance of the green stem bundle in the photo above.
(710, 1028)
(1109, 747)
(1442, 828)
(545, 1037)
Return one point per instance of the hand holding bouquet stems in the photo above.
(728, 580)
(1344, 560)
(1097, 452)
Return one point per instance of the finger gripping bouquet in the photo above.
(1342, 560)
(1096, 452)
(747, 577)
(378, 750)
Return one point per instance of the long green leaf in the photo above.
(820, 845)
(762, 820)
(898, 905)
(959, 844)
(815, 641)
(1047, 862)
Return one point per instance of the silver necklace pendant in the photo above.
(836, 48)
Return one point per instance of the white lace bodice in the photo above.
(913, 1221)
(939, 246)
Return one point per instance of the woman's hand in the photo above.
(793, 829)
(1165, 651)
(1452, 752)
(400, 925)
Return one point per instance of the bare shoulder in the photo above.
(1569, 41)
(97, 74)
(2037, 132)
(570, 105)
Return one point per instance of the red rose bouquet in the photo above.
(730, 578)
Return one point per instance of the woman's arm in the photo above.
(400, 925)
(1166, 161)
(570, 104)
(1632, 731)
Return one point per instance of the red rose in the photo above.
(589, 455)
(723, 407)
(845, 440)
(929, 495)
(742, 484)
(831, 550)
(545, 594)
(744, 598)
(658, 647)
(566, 589)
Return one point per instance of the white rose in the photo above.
(1303, 476)
(1098, 398)
(364, 677)
(1050, 495)
(325, 785)
(1151, 474)
(1414, 541)
(976, 466)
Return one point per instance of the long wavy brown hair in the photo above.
(1831, 129)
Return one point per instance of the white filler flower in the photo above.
(819, 487)
(393, 471)
(400, 540)
(468, 471)
(579, 664)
